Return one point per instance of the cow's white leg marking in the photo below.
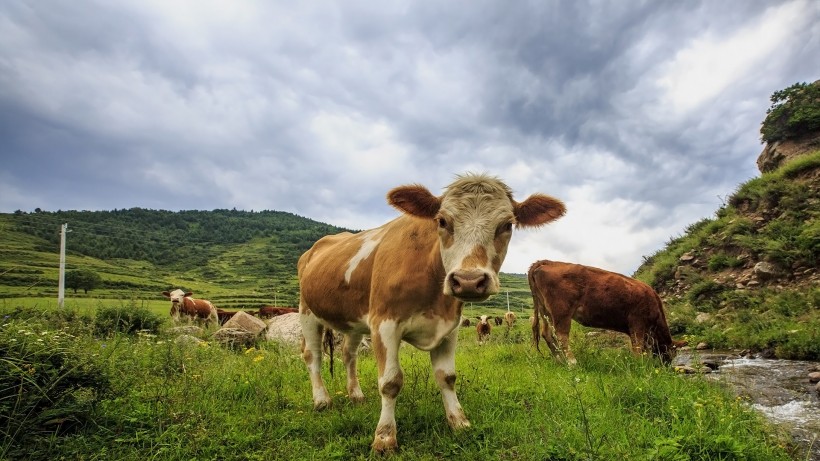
(369, 243)
(350, 357)
(443, 360)
(386, 341)
(312, 355)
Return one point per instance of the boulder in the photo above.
(765, 271)
(235, 338)
(188, 340)
(285, 328)
(814, 377)
(247, 322)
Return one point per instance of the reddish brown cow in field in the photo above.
(596, 298)
(498, 320)
(198, 310)
(224, 316)
(267, 312)
(483, 328)
(407, 281)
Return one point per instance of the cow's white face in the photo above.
(475, 218)
(176, 298)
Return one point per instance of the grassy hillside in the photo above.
(748, 278)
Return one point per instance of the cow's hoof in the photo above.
(458, 421)
(385, 440)
(356, 397)
(321, 405)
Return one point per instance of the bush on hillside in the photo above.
(795, 111)
(128, 319)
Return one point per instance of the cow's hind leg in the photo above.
(350, 357)
(386, 341)
(312, 332)
(561, 337)
(443, 360)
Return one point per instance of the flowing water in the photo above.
(779, 389)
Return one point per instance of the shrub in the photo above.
(706, 293)
(49, 383)
(126, 319)
(722, 261)
(794, 111)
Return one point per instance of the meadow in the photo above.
(76, 385)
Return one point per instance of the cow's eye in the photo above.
(506, 227)
(442, 223)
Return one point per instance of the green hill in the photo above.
(748, 278)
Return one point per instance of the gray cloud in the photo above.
(640, 115)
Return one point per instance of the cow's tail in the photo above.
(329, 343)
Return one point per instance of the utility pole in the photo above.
(61, 284)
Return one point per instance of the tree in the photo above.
(794, 112)
(82, 279)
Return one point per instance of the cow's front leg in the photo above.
(350, 356)
(443, 360)
(386, 340)
(312, 332)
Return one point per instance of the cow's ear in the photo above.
(537, 210)
(167, 294)
(415, 200)
(188, 293)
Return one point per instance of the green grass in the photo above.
(167, 401)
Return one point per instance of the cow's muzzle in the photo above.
(471, 285)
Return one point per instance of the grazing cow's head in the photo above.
(475, 218)
(176, 298)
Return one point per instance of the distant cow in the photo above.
(267, 312)
(498, 320)
(596, 298)
(465, 322)
(224, 315)
(483, 329)
(197, 310)
(509, 318)
(408, 280)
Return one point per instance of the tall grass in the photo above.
(171, 401)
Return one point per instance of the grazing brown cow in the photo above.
(509, 318)
(465, 322)
(498, 321)
(224, 315)
(268, 312)
(407, 281)
(596, 298)
(483, 329)
(197, 310)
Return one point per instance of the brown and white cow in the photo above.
(596, 298)
(483, 328)
(197, 310)
(407, 280)
(509, 318)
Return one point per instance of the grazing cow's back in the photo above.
(596, 298)
(184, 306)
(407, 280)
(267, 312)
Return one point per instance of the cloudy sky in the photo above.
(642, 116)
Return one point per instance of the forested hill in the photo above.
(141, 252)
(167, 238)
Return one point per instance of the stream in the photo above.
(779, 389)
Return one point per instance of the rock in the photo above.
(285, 328)
(235, 338)
(192, 330)
(687, 257)
(765, 271)
(817, 388)
(814, 377)
(188, 340)
(779, 152)
(247, 322)
(701, 346)
(702, 317)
